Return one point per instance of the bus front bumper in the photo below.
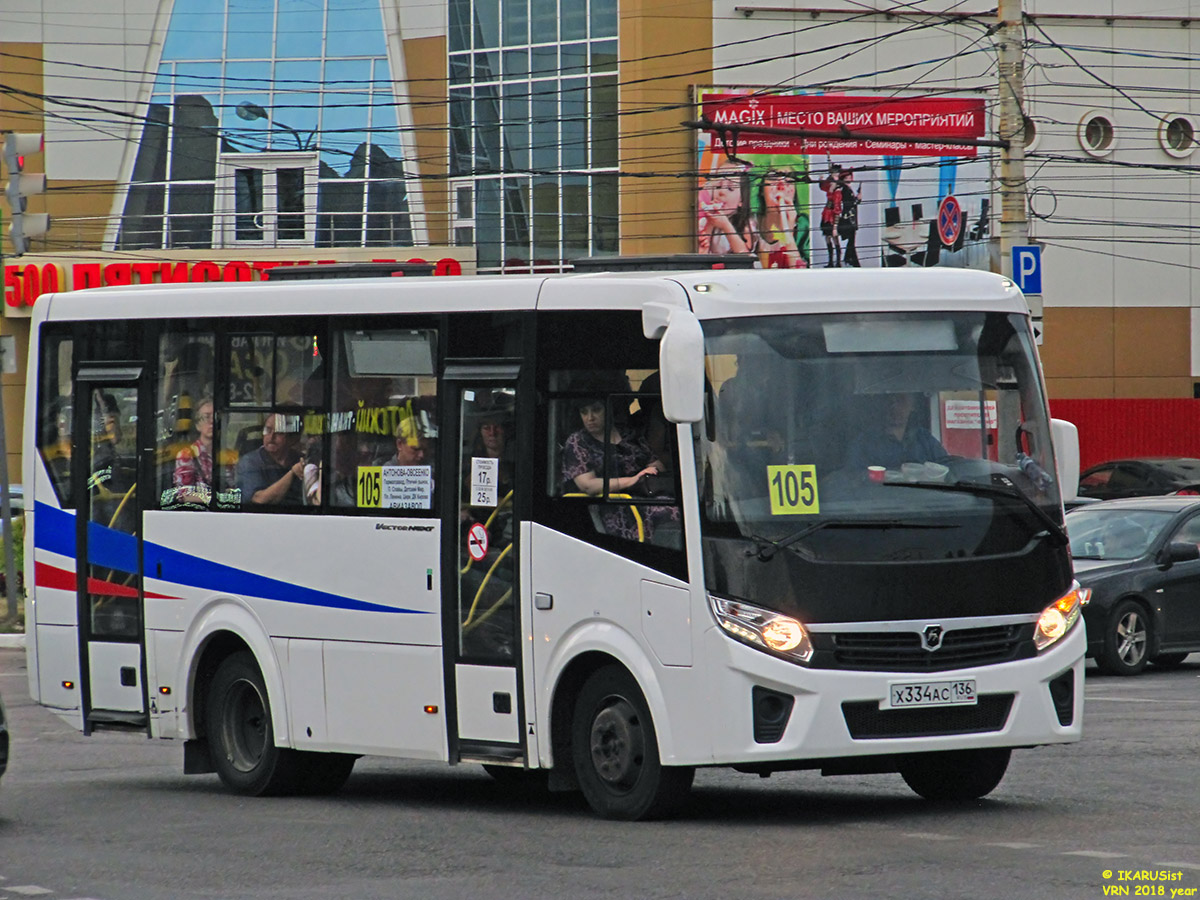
(830, 714)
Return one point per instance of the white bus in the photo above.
(594, 529)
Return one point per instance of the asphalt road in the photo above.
(112, 817)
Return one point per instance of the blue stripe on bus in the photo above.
(54, 530)
(110, 548)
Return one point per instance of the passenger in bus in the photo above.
(491, 442)
(342, 482)
(274, 473)
(193, 475)
(414, 443)
(57, 445)
(895, 438)
(492, 422)
(106, 434)
(658, 431)
(630, 464)
(487, 584)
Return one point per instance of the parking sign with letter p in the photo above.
(1027, 268)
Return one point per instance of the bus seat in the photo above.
(248, 440)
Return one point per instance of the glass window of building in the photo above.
(533, 121)
(270, 125)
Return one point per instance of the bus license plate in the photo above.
(931, 693)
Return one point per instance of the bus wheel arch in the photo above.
(223, 629)
(562, 711)
(614, 750)
(241, 736)
(217, 648)
(283, 770)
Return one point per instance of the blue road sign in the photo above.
(1027, 268)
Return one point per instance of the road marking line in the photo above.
(929, 836)
(1095, 854)
(1136, 700)
(28, 890)
(1178, 865)
(1014, 845)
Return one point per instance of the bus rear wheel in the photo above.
(615, 751)
(955, 776)
(240, 736)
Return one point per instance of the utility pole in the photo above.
(1014, 223)
(24, 225)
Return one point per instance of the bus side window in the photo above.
(383, 424)
(272, 421)
(606, 460)
(55, 412)
(184, 420)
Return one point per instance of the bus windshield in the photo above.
(861, 438)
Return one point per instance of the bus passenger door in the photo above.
(482, 555)
(108, 561)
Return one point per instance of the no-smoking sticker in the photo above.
(477, 542)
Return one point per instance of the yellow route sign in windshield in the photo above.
(793, 490)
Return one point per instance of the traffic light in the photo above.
(22, 185)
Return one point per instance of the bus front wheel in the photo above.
(240, 736)
(615, 751)
(955, 776)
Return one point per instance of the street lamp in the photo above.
(252, 111)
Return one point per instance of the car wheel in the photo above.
(615, 751)
(955, 776)
(241, 738)
(1126, 640)
(1168, 660)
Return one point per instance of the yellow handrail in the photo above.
(120, 506)
(483, 584)
(488, 613)
(637, 516)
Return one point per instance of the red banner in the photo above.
(24, 283)
(839, 124)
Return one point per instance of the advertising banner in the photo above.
(855, 180)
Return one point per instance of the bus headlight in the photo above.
(763, 628)
(1060, 616)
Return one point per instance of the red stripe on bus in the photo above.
(48, 576)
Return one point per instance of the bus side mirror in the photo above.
(680, 360)
(1065, 437)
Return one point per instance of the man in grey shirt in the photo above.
(274, 473)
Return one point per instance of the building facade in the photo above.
(216, 138)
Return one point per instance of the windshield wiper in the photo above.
(767, 548)
(1053, 529)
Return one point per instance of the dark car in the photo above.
(1143, 477)
(3, 739)
(1140, 559)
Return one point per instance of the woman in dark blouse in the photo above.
(630, 462)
